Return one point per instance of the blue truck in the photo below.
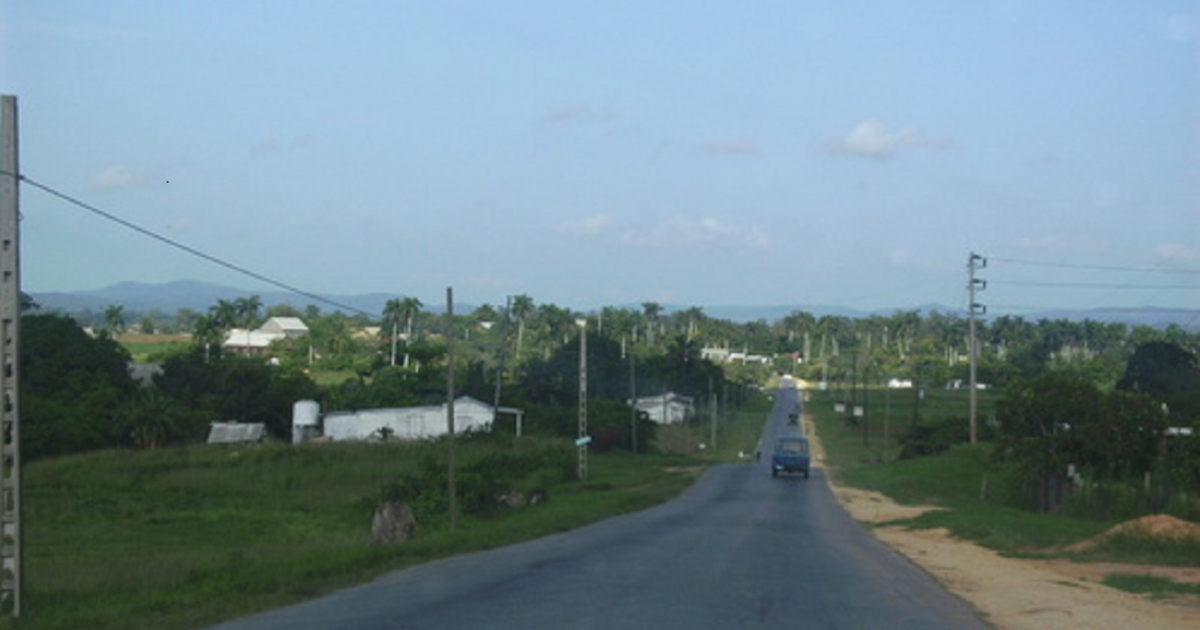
(791, 456)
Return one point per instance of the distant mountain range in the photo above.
(169, 297)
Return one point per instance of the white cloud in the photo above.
(590, 226)
(114, 177)
(674, 233)
(683, 232)
(870, 139)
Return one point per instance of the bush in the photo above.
(486, 466)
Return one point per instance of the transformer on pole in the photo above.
(974, 262)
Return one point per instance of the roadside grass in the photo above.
(187, 537)
(975, 492)
(1157, 587)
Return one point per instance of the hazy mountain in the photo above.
(199, 296)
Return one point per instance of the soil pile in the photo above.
(1155, 526)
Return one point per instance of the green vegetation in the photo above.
(177, 538)
(131, 523)
(1156, 586)
(980, 494)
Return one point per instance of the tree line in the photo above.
(78, 394)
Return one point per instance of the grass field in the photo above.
(976, 489)
(183, 538)
(147, 348)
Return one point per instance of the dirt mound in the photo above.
(1156, 526)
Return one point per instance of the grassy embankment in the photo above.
(975, 489)
(182, 538)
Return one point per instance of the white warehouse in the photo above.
(409, 423)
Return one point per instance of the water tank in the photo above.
(306, 416)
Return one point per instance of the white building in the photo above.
(669, 408)
(258, 341)
(409, 423)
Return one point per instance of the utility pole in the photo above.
(582, 442)
(451, 486)
(633, 409)
(11, 545)
(502, 357)
(974, 262)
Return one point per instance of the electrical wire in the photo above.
(1042, 263)
(1092, 285)
(182, 247)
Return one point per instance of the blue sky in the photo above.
(595, 153)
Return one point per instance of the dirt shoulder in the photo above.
(1017, 594)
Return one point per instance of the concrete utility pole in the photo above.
(451, 488)
(582, 442)
(11, 545)
(974, 261)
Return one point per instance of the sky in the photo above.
(592, 153)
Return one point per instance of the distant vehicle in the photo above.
(790, 456)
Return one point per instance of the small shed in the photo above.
(408, 423)
(236, 433)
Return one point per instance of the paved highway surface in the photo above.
(738, 550)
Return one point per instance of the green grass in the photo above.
(183, 538)
(974, 490)
(1156, 586)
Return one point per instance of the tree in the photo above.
(1161, 368)
(1042, 422)
(522, 307)
(393, 312)
(651, 311)
(73, 387)
(151, 420)
(246, 311)
(114, 319)
(410, 307)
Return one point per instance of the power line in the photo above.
(185, 248)
(1042, 263)
(1093, 285)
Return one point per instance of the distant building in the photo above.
(236, 433)
(408, 423)
(290, 327)
(257, 342)
(669, 408)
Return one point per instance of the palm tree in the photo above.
(522, 307)
(114, 319)
(208, 332)
(224, 314)
(410, 307)
(651, 311)
(393, 312)
(246, 311)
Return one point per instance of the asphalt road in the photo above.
(738, 550)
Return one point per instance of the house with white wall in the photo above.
(668, 408)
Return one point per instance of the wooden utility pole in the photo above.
(11, 546)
